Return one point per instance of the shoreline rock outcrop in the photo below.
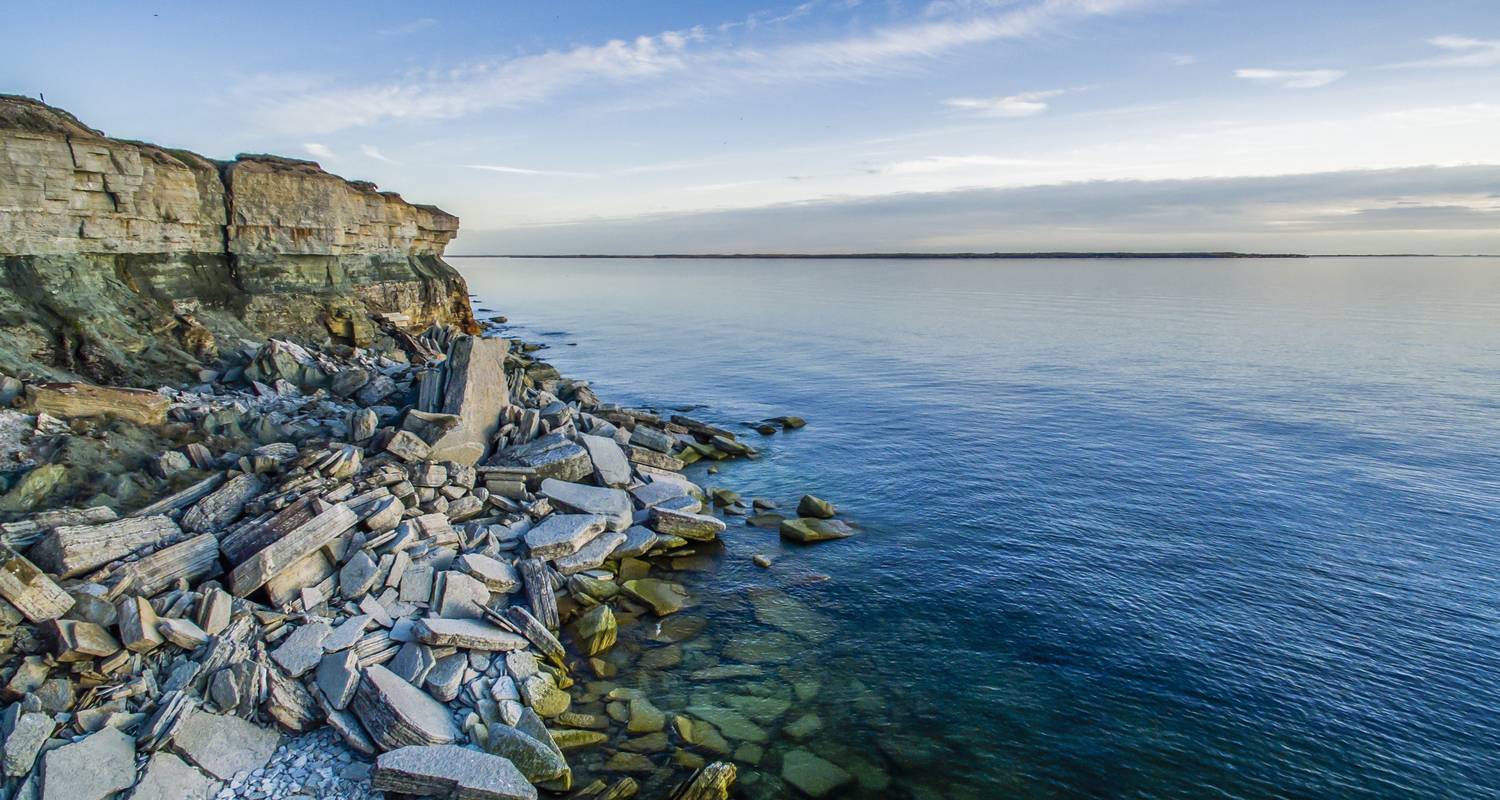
(125, 262)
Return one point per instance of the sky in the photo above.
(830, 125)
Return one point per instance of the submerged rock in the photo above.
(664, 597)
(808, 530)
(813, 775)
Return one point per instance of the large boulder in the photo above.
(474, 391)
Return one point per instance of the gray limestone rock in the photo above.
(611, 504)
(168, 777)
(24, 739)
(397, 714)
(338, 677)
(590, 555)
(611, 468)
(223, 744)
(300, 652)
(563, 534)
(638, 540)
(450, 771)
(91, 769)
(498, 576)
(535, 759)
(698, 527)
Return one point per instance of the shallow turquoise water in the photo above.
(1140, 528)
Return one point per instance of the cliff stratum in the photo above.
(124, 262)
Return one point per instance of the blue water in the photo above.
(1128, 529)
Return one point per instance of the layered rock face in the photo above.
(127, 262)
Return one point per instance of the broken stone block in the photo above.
(26, 733)
(72, 640)
(497, 576)
(168, 777)
(445, 678)
(78, 400)
(563, 534)
(397, 714)
(475, 392)
(300, 652)
(72, 550)
(136, 622)
(412, 662)
(90, 769)
(450, 771)
(338, 677)
(697, 527)
(357, 575)
(590, 555)
(469, 634)
(223, 744)
(612, 504)
(213, 611)
(535, 759)
(181, 632)
(29, 589)
(460, 596)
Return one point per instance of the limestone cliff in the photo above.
(125, 262)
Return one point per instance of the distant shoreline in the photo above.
(965, 256)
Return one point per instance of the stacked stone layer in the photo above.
(106, 245)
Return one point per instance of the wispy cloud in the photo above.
(1025, 104)
(322, 151)
(371, 151)
(933, 164)
(1424, 209)
(1181, 59)
(525, 171)
(1292, 78)
(409, 28)
(700, 63)
(1467, 52)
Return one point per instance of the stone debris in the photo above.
(449, 771)
(428, 585)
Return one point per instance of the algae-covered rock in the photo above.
(664, 597)
(596, 630)
(811, 529)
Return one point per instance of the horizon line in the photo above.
(998, 255)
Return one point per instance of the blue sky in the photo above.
(830, 125)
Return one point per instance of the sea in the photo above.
(1176, 528)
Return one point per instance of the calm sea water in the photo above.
(1128, 529)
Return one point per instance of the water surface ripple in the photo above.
(1156, 529)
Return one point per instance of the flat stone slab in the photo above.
(300, 652)
(813, 775)
(170, 778)
(470, 634)
(653, 494)
(563, 534)
(612, 504)
(397, 714)
(498, 576)
(808, 530)
(551, 456)
(638, 539)
(698, 527)
(611, 468)
(223, 744)
(591, 555)
(92, 769)
(452, 772)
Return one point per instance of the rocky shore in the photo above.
(403, 555)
